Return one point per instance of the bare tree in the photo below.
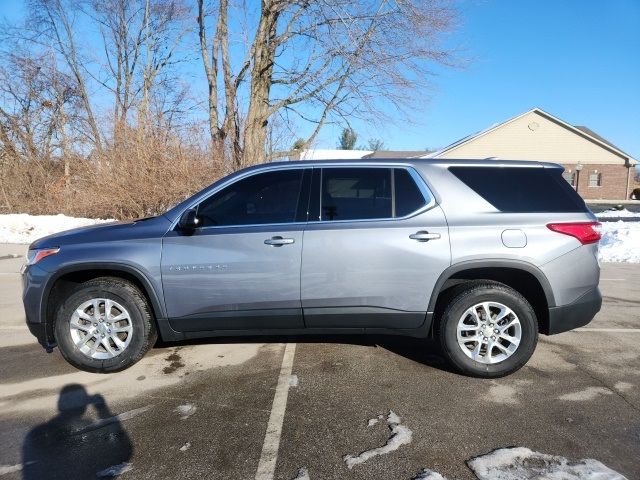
(374, 144)
(140, 39)
(37, 105)
(51, 24)
(315, 61)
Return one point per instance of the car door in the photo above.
(374, 247)
(240, 269)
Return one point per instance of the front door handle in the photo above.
(278, 241)
(423, 236)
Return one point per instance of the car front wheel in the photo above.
(104, 326)
(488, 330)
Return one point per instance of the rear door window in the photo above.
(521, 189)
(355, 193)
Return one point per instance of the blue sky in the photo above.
(578, 60)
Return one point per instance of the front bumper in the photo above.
(576, 314)
(33, 285)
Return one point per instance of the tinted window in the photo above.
(355, 193)
(270, 197)
(517, 189)
(408, 195)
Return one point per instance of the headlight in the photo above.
(35, 255)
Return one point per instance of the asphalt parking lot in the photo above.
(244, 408)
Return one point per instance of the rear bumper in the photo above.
(576, 314)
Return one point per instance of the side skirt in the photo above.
(168, 334)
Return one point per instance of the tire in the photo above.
(129, 315)
(506, 355)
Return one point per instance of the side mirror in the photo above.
(188, 220)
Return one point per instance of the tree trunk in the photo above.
(255, 131)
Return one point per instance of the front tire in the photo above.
(488, 330)
(104, 326)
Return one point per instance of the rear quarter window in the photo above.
(521, 189)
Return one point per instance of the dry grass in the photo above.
(131, 179)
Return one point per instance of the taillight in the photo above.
(586, 232)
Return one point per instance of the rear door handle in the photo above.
(423, 236)
(278, 241)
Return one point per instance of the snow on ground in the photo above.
(519, 462)
(24, 228)
(400, 435)
(427, 474)
(186, 410)
(303, 474)
(620, 242)
(613, 213)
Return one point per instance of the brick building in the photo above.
(595, 167)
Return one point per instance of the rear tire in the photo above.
(487, 330)
(111, 337)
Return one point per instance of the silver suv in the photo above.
(482, 255)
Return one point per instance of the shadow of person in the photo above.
(74, 446)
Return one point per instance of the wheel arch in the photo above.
(68, 277)
(524, 277)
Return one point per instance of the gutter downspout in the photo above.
(626, 192)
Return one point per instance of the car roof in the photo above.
(418, 162)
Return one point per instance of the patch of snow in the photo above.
(185, 447)
(186, 410)
(303, 474)
(587, 394)
(373, 421)
(293, 380)
(400, 435)
(393, 418)
(24, 228)
(612, 212)
(427, 474)
(519, 463)
(620, 242)
(115, 470)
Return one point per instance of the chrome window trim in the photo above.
(422, 186)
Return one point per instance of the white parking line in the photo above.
(612, 330)
(269, 455)
(614, 279)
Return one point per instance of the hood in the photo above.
(107, 232)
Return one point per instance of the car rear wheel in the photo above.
(488, 330)
(104, 326)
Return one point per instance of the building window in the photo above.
(595, 179)
(570, 177)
